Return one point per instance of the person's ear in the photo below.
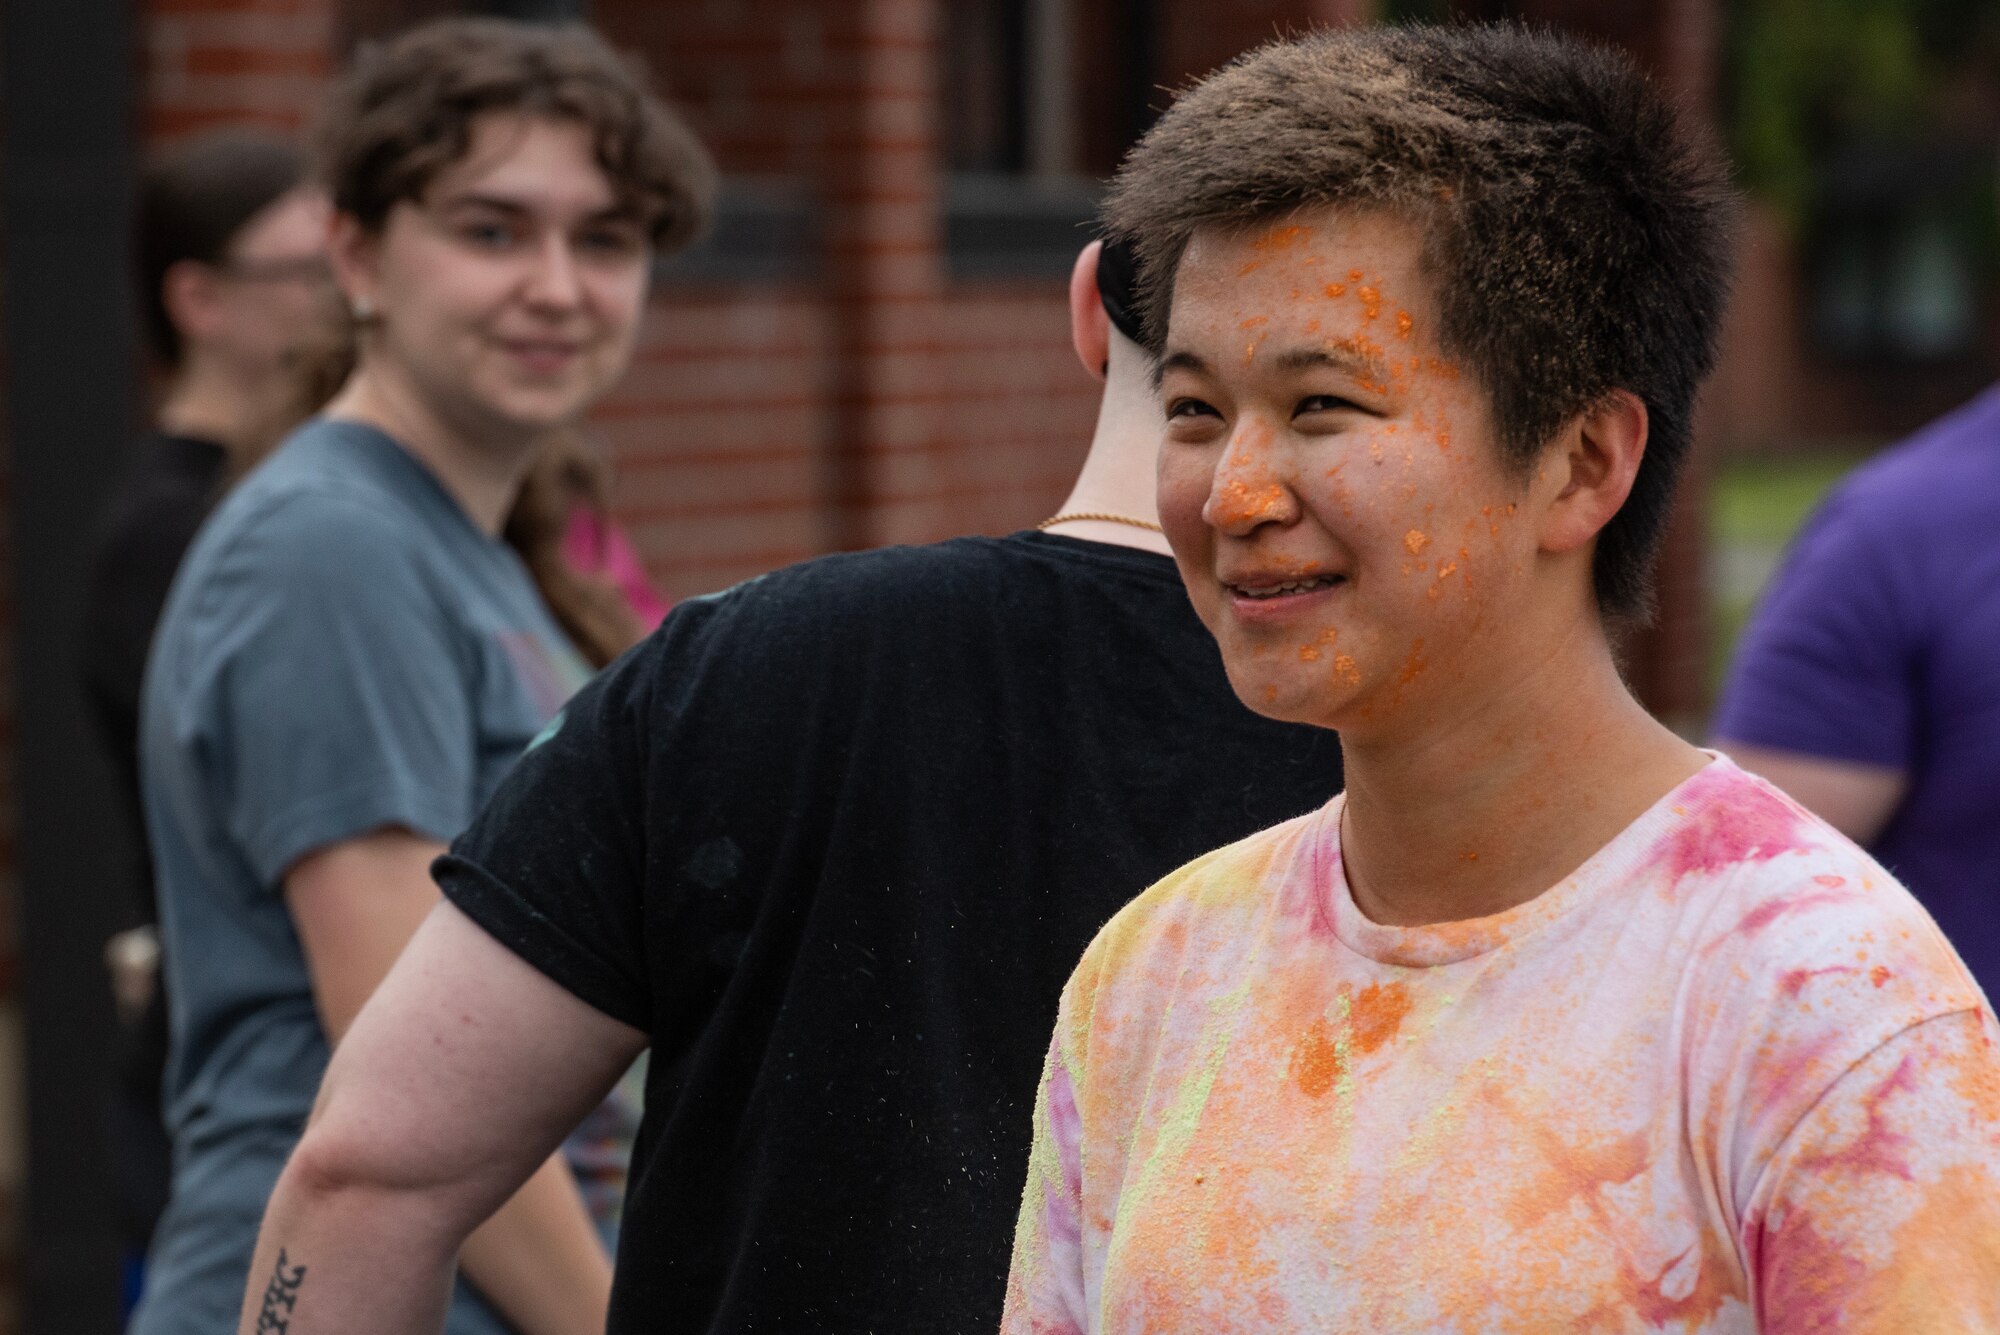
(355, 254)
(191, 295)
(1591, 469)
(1089, 327)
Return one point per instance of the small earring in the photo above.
(362, 309)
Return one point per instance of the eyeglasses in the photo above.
(290, 269)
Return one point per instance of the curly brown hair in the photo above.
(1579, 232)
(405, 110)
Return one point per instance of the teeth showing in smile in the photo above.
(1280, 590)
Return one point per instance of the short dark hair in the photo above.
(404, 112)
(193, 201)
(1580, 234)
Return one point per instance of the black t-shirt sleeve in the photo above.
(554, 867)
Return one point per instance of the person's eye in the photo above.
(487, 234)
(1324, 403)
(1183, 409)
(610, 242)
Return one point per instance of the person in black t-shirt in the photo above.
(233, 273)
(829, 842)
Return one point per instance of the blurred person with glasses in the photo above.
(231, 251)
(352, 656)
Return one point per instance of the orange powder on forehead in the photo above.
(1281, 238)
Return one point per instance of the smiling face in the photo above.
(1330, 480)
(509, 295)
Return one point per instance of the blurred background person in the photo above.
(231, 248)
(352, 657)
(1867, 684)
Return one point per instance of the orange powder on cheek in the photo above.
(1416, 540)
(1414, 665)
(1336, 289)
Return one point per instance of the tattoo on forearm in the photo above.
(281, 1295)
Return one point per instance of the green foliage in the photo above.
(1808, 77)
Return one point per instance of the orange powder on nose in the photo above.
(1416, 540)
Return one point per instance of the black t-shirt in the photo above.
(835, 840)
(146, 528)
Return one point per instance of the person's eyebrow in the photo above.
(616, 211)
(1179, 360)
(1340, 356)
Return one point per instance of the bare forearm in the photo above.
(538, 1259)
(347, 1260)
(352, 1257)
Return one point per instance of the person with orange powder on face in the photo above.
(1552, 1021)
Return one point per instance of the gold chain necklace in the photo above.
(1101, 518)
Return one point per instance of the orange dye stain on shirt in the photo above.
(1316, 1063)
(1379, 1012)
(1879, 975)
(1416, 540)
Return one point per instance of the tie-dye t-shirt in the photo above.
(1725, 1077)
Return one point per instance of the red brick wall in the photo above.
(877, 401)
(223, 62)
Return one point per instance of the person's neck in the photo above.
(210, 400)
(1118, 476)
(1507, 784)
(482, 475)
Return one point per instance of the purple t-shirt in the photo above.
(1879, 642)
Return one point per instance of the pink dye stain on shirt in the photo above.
(1611, 1108)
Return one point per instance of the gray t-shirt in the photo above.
(343, 651)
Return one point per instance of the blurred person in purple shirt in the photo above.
(1868, 682)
